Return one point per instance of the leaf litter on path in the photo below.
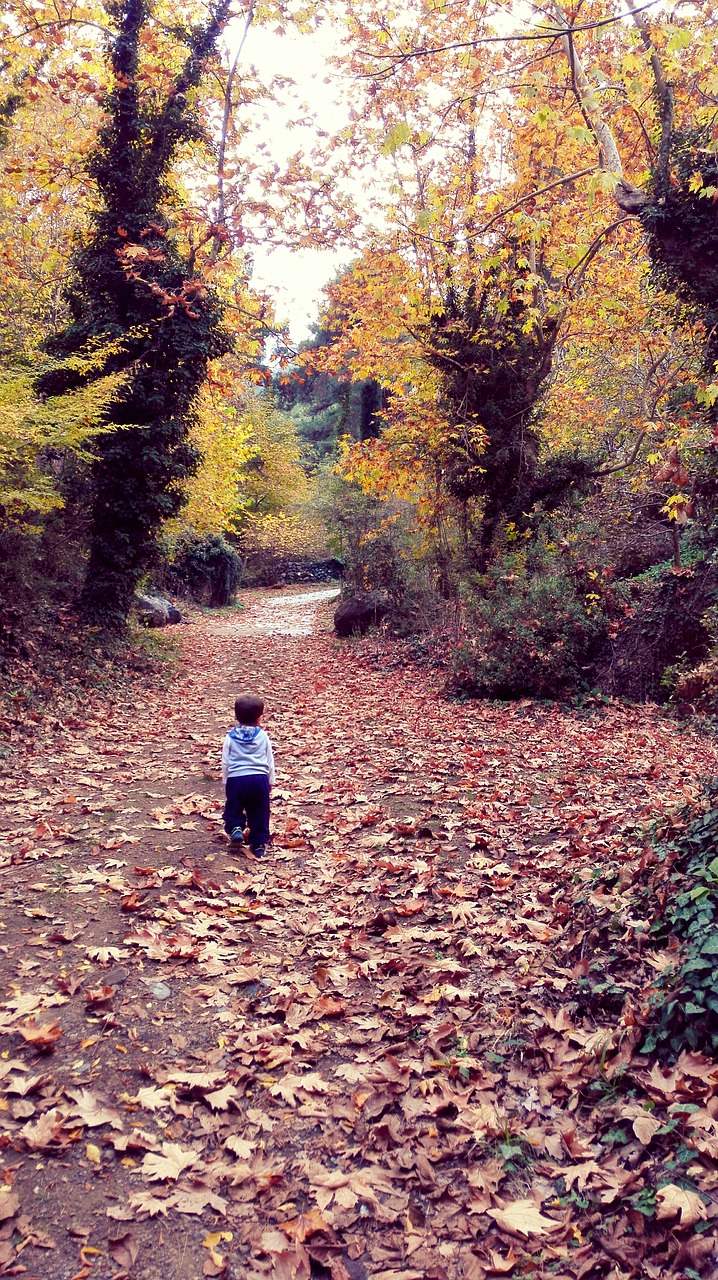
(384, 1051)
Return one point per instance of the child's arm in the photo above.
(270, 762)
(225, 759)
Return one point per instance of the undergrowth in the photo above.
(65, 666)
(685, 1001)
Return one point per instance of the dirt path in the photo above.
(381, 1053)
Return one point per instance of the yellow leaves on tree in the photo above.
(36, 435)
(250, 482)
(223, 436)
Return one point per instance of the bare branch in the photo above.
(622, 466)
(546, 33)
(585, 262)
(531, 195)
(226, 113)
(652, 369)
(559, 182)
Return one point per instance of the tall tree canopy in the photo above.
(135, 289)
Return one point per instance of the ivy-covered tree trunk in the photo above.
(493, 363)
(135, 296)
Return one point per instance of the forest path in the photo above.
(369, 1055)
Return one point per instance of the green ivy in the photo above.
(686, 1000)
(204, 567)
(134, 287)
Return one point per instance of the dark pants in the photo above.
(248, 804)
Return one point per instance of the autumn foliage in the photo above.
(461, 1021)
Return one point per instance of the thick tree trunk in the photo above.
(134, 290)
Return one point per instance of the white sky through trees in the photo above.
(295, 277)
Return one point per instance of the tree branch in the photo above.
(622, 466)
(221, 214)
(550, 186)
(172, 123)
(627, 196)
(547, 33)
(559, 182)
(593, 249)
(653, 367)
(664, 94)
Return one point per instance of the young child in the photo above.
(248, 775)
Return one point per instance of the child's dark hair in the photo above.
(248, 708)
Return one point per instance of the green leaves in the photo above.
(687, 1008)
(397, 137)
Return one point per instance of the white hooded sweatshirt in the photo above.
(247, 750)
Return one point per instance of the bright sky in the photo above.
(295, 278)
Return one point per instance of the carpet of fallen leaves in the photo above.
(403, 1045)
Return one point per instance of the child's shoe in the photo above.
(236, 835)
(260, 851)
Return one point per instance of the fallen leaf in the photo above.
(103, 955)
(212, 1240)
(41, 1037)
(524, 1218)
(153, 1099)
(307, 1224)
(220, 1099)
(197, 1200)
(45, 1132)
(169, 1164)
(9, 1204)
(91, 1111)
(645, 1128)
(677, 1202)
(124, 1250)
(240, 1146)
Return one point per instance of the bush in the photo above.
(530, 626)
(206, 569)
(668, 635)
(696, 690)
(274, 547)
(685, 1004)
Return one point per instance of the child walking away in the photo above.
(248, 775)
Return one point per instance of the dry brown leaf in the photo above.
(677, 1202)
(91, 1111)
(393, 1274)
(307, 1224)
(196, 1200)
(524, 1218)
(9, 1204)
(153, 1099)
(169, 1163)
(201, 1080)
(220, 1099)
(45, 1132)
(240, 1147)
(146, 1204)
(124, 1250)
(41, 1037)
(645, 1127)
(500, 1265)
(579, 1174)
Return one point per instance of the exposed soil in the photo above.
(370, 1054)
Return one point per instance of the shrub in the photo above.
(206, 569)
(275, 544)
(685, 1002)
(530, 626)
(694, 689)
